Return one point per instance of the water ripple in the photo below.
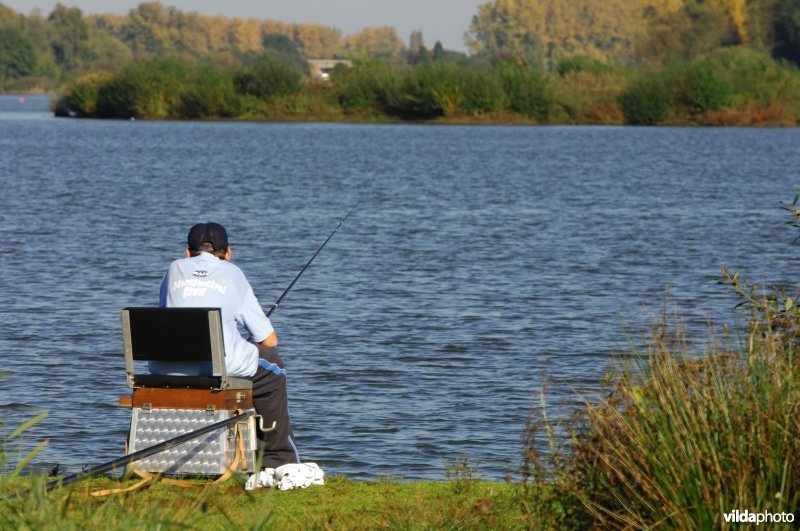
(483, 264)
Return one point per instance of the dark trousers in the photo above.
(271, 402)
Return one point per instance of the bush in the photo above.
(210, 94)
(709, 88)
(429, 91)
(584, 97)
(645, 100)
(317, 102)
(758, 80)
(271, 76)
(585, 63)
(80, 98)
(144, 89)
(435, 89)
(482, 90)
(528, 90)
(464, 89)
(119, 98)
(366, 85)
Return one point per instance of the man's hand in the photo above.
(271, 341)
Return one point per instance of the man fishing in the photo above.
(206, 278)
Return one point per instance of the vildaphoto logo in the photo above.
(745, 517)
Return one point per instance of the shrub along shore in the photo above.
(730, 86)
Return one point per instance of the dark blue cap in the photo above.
(204, 233)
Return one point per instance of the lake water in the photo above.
(481, 264)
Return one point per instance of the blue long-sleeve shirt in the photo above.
(205, 281)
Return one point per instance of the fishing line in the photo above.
(286, 291)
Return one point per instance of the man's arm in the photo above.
(271, 341)
(164, 292)
(256, 321)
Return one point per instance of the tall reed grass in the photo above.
(684, 436)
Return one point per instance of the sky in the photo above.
(443, 20)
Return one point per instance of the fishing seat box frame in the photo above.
(165, 406)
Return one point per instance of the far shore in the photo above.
(733, 119)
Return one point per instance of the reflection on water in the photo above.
(482, 263)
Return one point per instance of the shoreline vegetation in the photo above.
(682, 437)
(730, 87)
(639, 62)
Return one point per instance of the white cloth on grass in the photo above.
(287, 477)
(298, 476)
(259, 480)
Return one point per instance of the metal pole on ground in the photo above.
(136, 456)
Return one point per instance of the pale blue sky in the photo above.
(444, 20)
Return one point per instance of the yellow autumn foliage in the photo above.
(551, 29)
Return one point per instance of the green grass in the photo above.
(340, 504)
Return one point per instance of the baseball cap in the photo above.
(208, 232)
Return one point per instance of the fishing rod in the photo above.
(136, 456)
(286, 291)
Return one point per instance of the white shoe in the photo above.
(263, 479)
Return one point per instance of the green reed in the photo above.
(683, 437)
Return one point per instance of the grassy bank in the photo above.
(340, 504)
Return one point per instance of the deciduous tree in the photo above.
(245, 35)
(8, 17)
(438, 51)
(787, 30)
(692, 30)
(70, 33)
(17, 56)
(553, 28)
(376, 41)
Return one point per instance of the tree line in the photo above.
(645, 33)
(38, 51)
(543, 61)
